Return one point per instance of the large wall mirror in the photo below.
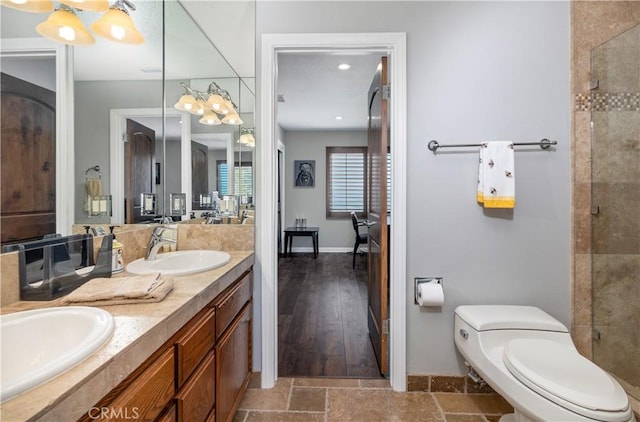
(124, 94)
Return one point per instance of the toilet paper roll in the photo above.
(430, 294)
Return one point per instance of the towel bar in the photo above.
(543, 143)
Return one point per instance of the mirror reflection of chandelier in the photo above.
(247, 138)
(64, 26)
(215, 105)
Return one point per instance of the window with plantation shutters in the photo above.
(242, 178)
(346, 187)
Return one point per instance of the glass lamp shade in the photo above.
(228, 105)
(216, 103)
(90, 5)
(247, 139)
(117, 25)
(65, 27)
(210, 118)
(185, 103)
(232, 118)
(198, 108)
(33, 6)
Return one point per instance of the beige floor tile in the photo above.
(326, 382)
(373, 383)
(239, 416)
(275, 398)
(308, 399)
(380, 405)
(472, 403)
(284, 417)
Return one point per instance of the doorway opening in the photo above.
(266, 267)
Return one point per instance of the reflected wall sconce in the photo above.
(247, 137)
(210, 105)
(65, 27)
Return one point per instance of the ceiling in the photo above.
(314, 90)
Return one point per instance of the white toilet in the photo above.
(528, 357)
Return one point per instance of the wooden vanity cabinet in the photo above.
(200, 374)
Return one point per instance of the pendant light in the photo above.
(210, 118)
(64, 26)
(232, 118)
(117, 25)
(33, 6)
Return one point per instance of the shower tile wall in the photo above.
(594, 23)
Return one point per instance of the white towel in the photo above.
(496, 179)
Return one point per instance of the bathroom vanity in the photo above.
(186, 358)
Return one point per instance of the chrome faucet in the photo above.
(160, 237)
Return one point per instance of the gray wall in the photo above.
(476, 71)
(310, 203)
(93, 101)
(39, 71)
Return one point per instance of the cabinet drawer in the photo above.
(192, 347)
(231, 303)
(195, 401)
(169, 416)
(149, 394)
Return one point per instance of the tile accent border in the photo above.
(614, 101)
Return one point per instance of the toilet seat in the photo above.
(562, 375)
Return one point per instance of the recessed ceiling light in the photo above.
(344, 66)
(338, 117)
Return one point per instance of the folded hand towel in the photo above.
(93, 188)
(496, 180)
(121, 290)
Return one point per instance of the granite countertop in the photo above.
(140, 330)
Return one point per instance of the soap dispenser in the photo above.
(117, 254)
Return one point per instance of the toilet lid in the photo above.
(562, 375)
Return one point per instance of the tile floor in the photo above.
(353, 400)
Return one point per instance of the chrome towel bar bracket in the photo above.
(543, 143)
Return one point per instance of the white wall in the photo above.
(310, 203)
(476, 71)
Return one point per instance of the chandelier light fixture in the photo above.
(215, 105)
(63, 25)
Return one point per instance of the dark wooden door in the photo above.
(199, 173)
(377, 285)
(28, 154)
(139, 157)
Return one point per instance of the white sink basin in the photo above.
(40, 344)
(180, 262)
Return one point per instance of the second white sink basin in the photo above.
(180, 262)
(40, 344)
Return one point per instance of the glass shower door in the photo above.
(615, 198)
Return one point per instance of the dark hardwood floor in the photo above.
(322, 317)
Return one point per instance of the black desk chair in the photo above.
(360, 237)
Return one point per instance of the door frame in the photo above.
(117, 134)
(266, 261)
(65, 160)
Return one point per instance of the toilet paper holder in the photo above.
(420, 280)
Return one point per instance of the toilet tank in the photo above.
(508, 317)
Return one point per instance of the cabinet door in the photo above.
(228, 306)
(197, 398)
(233, 356)
(149, 394)
(192, 347)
